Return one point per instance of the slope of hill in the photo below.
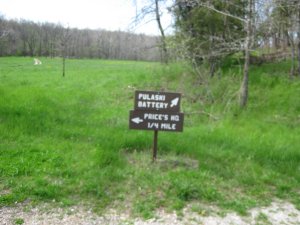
(66, 140)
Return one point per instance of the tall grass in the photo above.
(67, 139)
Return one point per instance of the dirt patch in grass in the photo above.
(5, 192)
(164, 162)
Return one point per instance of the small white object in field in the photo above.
(37, 61)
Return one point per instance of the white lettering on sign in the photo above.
(153, 125)
(168, 126)
(151, 97)
(155, 105)
(175, 118)
(154, 116)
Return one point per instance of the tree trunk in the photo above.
(64, 66)
(298, 56)
(244, 87)
(163, 37)
(292, 72)
(298, 34)
(212, 67)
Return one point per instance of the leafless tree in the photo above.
(3, 33)
(152, 9)
(27, 38)
(64, 42)
(3, 30)
(298, 34)
(244, 44)
(248, 45)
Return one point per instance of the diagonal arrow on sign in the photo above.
(137, 120)
(174, 102)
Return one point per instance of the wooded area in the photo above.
(208, 32)
(204, 31)
(26, 38)
(213, 29)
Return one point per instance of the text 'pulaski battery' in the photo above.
(156, 111)
(145, 100)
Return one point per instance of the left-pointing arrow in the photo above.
(137, 120)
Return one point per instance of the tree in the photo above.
(281, 23)
(64, 41)
(162, 32)
(210, 30)
(30, 37)
(153, 8)
(248, 45)
(217, 28)
(298, 34)
(3, 31)
(3, 34)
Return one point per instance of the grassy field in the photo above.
(66, 140)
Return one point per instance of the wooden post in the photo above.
(155, 145)
(64, 65)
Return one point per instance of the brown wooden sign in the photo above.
(158, 111)
(156, 120)
(162, 101)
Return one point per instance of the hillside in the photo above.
(66, 140)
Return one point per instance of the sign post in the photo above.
(158, 111)
(155, 146)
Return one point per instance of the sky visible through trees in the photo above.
(93, 14)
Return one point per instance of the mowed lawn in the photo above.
(66, 139)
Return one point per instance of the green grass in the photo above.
(67, 139)
(19, 221)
